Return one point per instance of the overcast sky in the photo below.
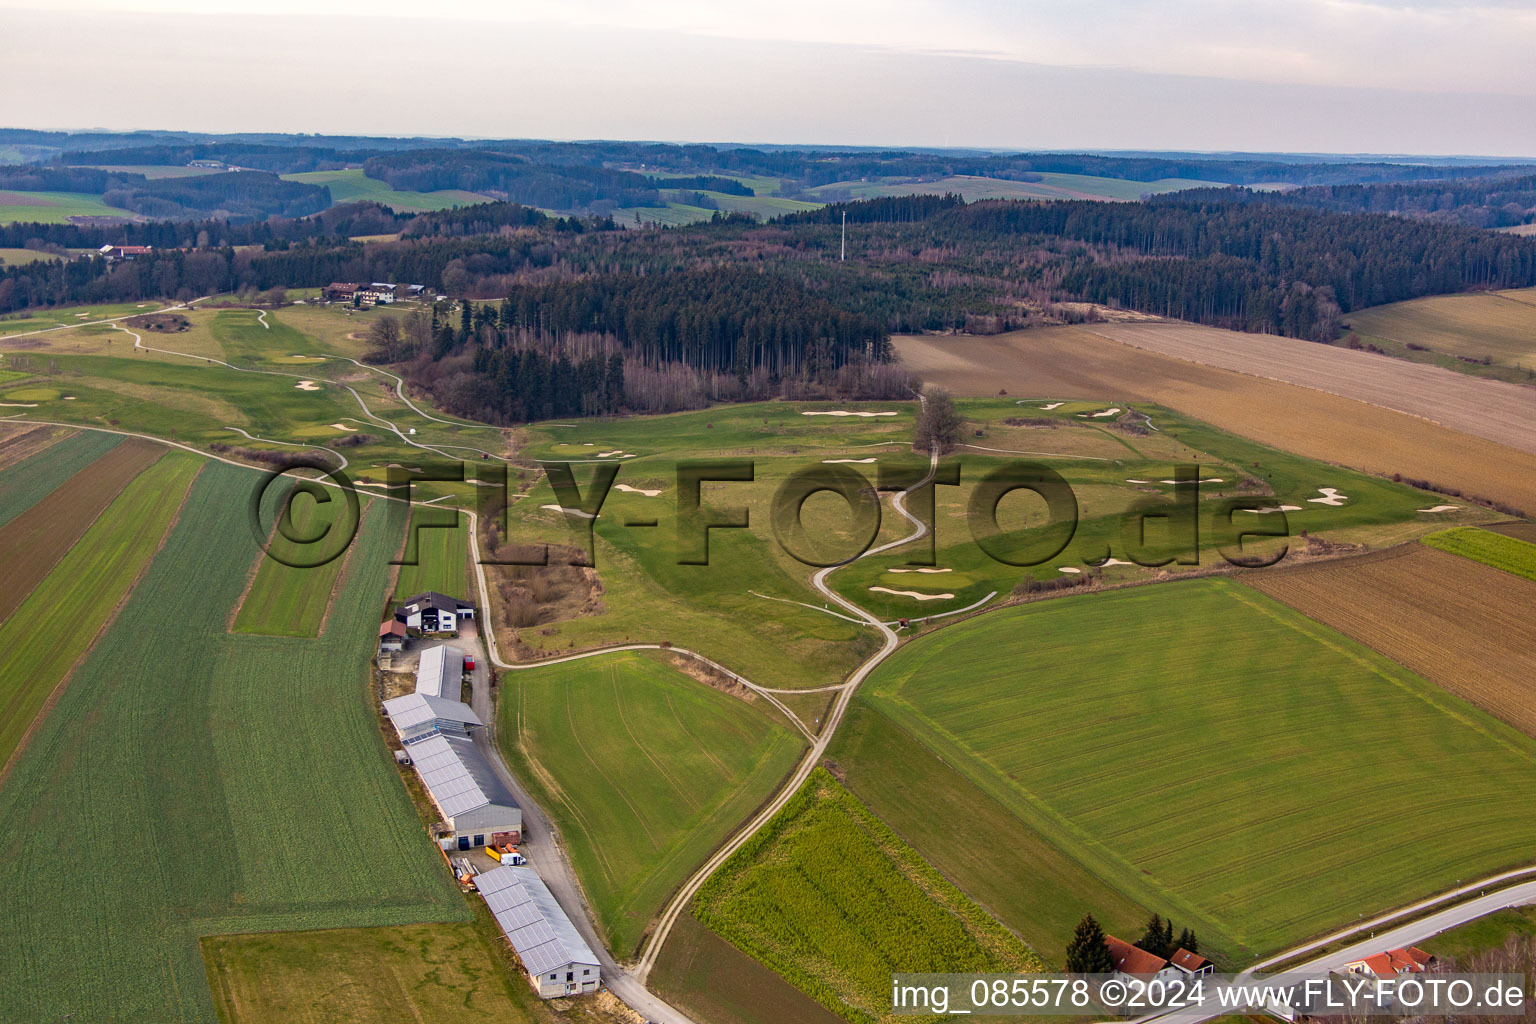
(1422, 76)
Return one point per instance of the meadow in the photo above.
(82, 592)
(351, 185)
(1434, 612)
(1500, 326)
(1219, 758)
(234, 784)
(827, 895)
(644, 770)
(1509, 554)
(54, 207)
(441, 554)
(424, 972)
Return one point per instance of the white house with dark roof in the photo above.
(432, 612)
(558, 961)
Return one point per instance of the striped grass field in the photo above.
(1496, 549)
(827, 895)
(644, 770)
(1220, 758)
(191, 782)
(57, 622)
(38, 475)
(440, 555)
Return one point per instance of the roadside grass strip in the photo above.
(1220, 758)
(57, 622)
(1502, 552)
(29, 481)
(644, 770)
(827, 895)
(193, 782)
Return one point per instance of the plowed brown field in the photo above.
(1517, 530)
(1491, 409)
(1460, 624)
(1067, 362)
(33, 542)
(22, 441)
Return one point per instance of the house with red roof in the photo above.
(1403, 960)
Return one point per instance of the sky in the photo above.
(1346, 76)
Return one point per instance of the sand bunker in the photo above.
(1273, 508)
(1053, 405)
(569, 511)
(913, 594)
(635, 490)
(1113, 561)
(833, 462)
(1331, 496)
(845, 412)
(1130, 481)
(1068, 568)
(69, 398)
(341, 426)
(1204, 480)
(920, 570)
(617, 453)
(1099, 415)
(307, 385)
(1440, 508)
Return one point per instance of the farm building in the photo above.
(432, 612)
(392, 636)
(339, 291)
(416, 716)
(475, 806)
(440, 672)
(125, 252)
(378, 292)
(1191, 963)
(1404, 960)
(558, 961)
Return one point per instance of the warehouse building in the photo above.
(440, 672)
(416, 716)
(476, 807)
(558, 961)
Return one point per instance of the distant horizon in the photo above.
(1240, 154)
(1421, 77)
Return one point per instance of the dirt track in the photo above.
(1490, 409)
(1460, 624)
(1068, 362)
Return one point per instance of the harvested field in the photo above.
(20, 441)
(1461, 624)
(33, 542)
(710, 979)
(1493, 410)
(1067, 361)
(1516, 529)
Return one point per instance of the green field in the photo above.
(22, 257)
(153, 171)
(229, 783)
(414, 972)
(1507, 553)
(352, 185)
(1219, 758)
(827, 895)
(31, 479)
(999, 861)
(644, 770)
(441, 555)
(69, 316)
(288, 596)
(82, 591)
(53, 207)
(1483, 934)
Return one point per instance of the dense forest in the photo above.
(512, 177)
(1482, 202)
